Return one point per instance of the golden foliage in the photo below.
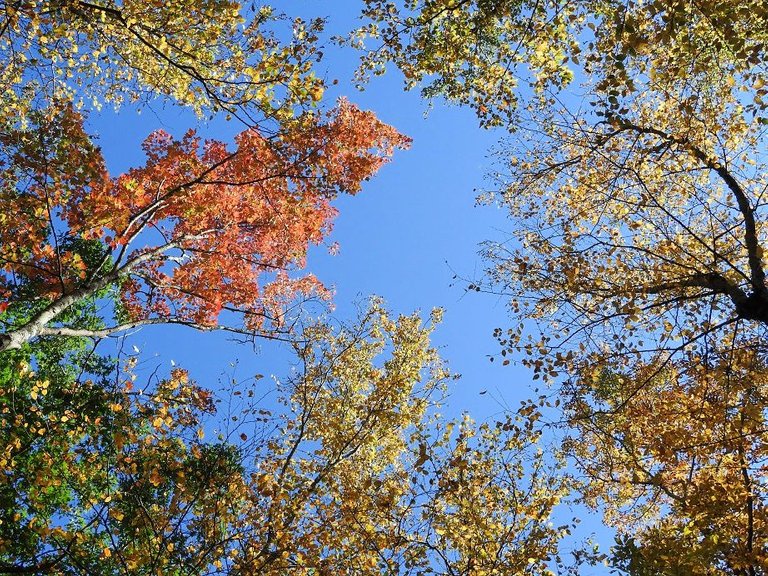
(210, 55)
(354, 474)
(635, 270)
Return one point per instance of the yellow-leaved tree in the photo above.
(210, 55)
(352, 472)
(636, 181)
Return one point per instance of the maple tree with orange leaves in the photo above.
(199, 230)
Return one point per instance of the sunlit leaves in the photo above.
(678, 452)
(79, 449)
(634, 271)
(354, 472)
(367, 479)
(640, 239)
(210, 55)
(472, 53)
(503, 57)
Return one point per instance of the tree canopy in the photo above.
(106, 473)
(107, 470)
(210, 55)
(632, 168)
(501, 57)
(635, 275)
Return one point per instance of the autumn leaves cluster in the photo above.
(633, 174)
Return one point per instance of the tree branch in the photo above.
(112, 330)
(757, 274)
(17, 337)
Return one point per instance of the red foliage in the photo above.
(200, 228)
